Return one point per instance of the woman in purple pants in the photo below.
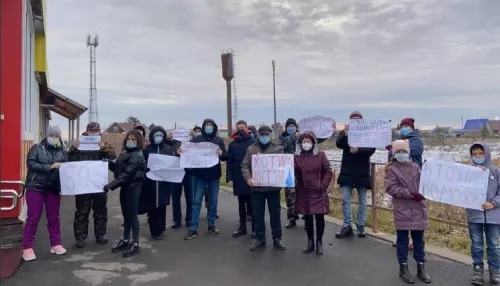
(42, 189)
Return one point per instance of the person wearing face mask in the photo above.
(206, 178)
(87, 202)
(264, 145)
(485, 223)
(129, 170)
(43, 191)
(236, 152)
(402, 178)
(252, 132)
(155, 195)
(313, 176)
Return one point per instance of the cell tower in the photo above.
(228, 74)
(235, 93)
(93, 110)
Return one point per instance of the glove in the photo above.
(417, 197)
(105, 188)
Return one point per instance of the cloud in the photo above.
(433, 60)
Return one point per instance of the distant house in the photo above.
(495, 126)
(475, 125)
(426, 129)
(122, 127)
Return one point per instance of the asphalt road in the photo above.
(220, 260)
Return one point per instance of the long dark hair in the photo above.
(134, 133)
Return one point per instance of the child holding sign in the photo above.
(402, 180)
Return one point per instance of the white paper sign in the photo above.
(322, 126)
(89, 143)
(454, 184)
(369, 133)
(181, 135)
(84, 177)
(273, 170)
(165, 168)
(199, 155)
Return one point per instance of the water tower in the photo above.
(228, 75)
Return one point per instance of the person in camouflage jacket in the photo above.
(97, 202)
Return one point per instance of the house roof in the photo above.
(495, 125)
(475, 124)
(125, 126)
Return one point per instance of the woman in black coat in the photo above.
(155, 195)
(129, 174)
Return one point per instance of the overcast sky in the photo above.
(159, 60)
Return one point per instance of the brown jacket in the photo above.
(246, 165)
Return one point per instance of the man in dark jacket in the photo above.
(155, 195)
(97, 202)
(235, 154)
(206, 178)
(354, 174)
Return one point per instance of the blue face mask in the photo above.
(209, 129)
(402, 157)
(478, 161)
(131, 144)
(291, 130)
(196, 134)
(52, 141)
(264, 139)
(405, 131)
(158, 139)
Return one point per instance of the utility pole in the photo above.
(275, 129)
(228, 74)
(93, 109)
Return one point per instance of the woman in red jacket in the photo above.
(313, 176)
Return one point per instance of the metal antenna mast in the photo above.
(235, 94)
(227, 74)
(93, 111)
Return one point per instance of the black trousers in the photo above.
(129, 202)
(157, 220)
(84, 204)
(259, 210)
(320, 226)
(187, 185)
(245, 208)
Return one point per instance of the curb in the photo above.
(390, 238)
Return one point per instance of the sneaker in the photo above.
(58, 250)
(29, 254)
(122, 245)
(191, 234)
(213, 230)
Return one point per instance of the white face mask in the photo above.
(307, 146)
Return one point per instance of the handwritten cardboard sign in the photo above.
(89, 143)
(199, 155)
(369, 133)
(165, 168)
(322, 126)
(83, 177)
(454, 184)
(181, 135)
(273, 170)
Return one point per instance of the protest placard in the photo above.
(322, 126)
(273, 170)
(89, 143)
(165, 168)
(369, 133)
(454, 184)
(199, 155)
(181, 135)
(84, 177)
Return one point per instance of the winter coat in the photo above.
(402, 179)
(129, 168)
(313, 175)
(107, 152)
(246, 166)
(155, 194)
(416, 147)
(40, 157)
(214, 172)
(235, 153)
(355, 167)
(493, 195)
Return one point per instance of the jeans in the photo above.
(476, 231)
(187, 185)
(346, 205)
(35, 201)
(259, 211)
(129, 202)
(199, 188)
(402, 245)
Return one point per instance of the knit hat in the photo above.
(408, 122)
(291, 121)
(197, 128)
(93, 125)
(264, 129)
(53, 130)
(356, 114)
(400, 145)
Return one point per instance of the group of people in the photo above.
(309, 197)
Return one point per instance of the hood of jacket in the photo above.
(153, 131)
(216, 128)
(487, 154)
(414, 133)
(298, 144)
(254, 131)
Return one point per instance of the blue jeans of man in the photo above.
(402, 245)
(187, 185)
(259, 210)
(346, 205)
(490, 231)
(199, 187)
